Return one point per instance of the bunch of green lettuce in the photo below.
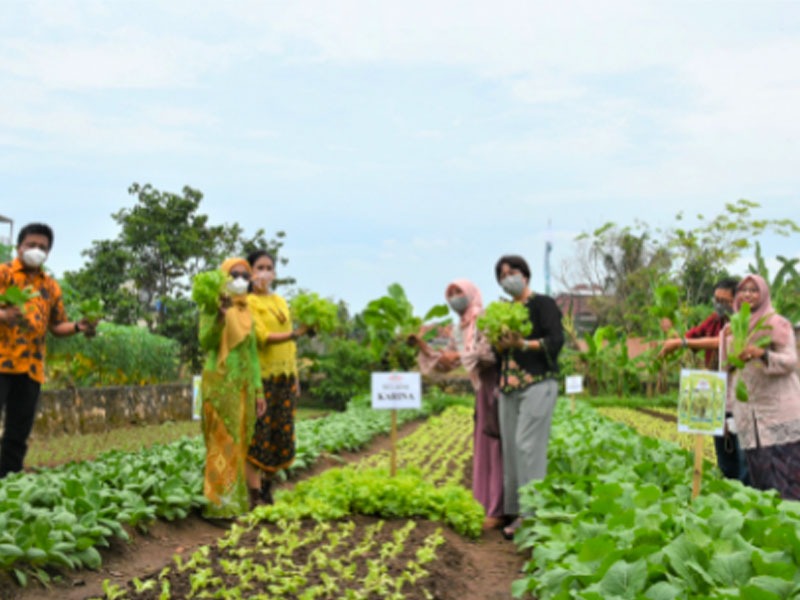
(318, 314)
(666, 305)
(207, 287)
(743, 337)
(501, 318)
(92, 310)
(14, 296)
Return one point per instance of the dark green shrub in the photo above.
(342, 372)
(118, 355)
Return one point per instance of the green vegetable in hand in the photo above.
(666, 305)
(502, 318)
(318, 314)
(14, 296)
(92, 310)
(743, 337)
(207, 287)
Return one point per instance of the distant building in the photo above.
(578, 303)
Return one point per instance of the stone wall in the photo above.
(94, 410)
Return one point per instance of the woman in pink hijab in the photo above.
(768, 424)
(469, 348)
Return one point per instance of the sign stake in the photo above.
(698, 465)
(393, 464)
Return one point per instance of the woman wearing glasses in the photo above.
(273, 444)
(231, 397)
(768, 423)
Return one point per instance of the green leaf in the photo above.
(732, 569)
(764, 587)
(519, 587)
(436, 312)
(624, 579)
(596, 549)
(774, 568)
(664, 591)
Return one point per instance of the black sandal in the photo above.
(510, 529)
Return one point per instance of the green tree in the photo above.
(6, 253)
(628, 263)
(702, 254)
(784, 286)
(145, 274)
(623, 261)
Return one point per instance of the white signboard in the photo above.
(396, 390)
(197, 401)
(574, 384)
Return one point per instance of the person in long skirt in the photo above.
(469, 348)
(273, 444)
(231, 397)
(768, 424)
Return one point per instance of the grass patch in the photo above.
(53, 451)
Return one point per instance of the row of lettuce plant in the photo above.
(440, 450)
(614, 518)
(306, 545)
(60, 517)
(659, 428)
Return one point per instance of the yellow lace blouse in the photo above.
(271, 315)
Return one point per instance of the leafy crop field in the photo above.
(613, 519)
(316, 543)
(660, 428)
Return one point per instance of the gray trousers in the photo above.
(525, 418)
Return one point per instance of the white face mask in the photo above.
(34, 257)
(238, 286)
(263, 280)
(513, 285)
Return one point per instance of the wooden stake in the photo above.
(698, 465)
(572, 402)
(393, 467)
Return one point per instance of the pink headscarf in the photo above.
(763, 308)
(474, 309)
(778, 328)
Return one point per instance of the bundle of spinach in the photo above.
(666, 305)
(318, 314)
(393, 314)
(92, 310)
(501, 318)
(743, 336)
(390, 321)
(15, 296)
(207, 287)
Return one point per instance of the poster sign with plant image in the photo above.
(701, 402)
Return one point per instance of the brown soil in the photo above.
(658, 415)
(464, 569)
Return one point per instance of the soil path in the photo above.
(658, 415)
(479, 570)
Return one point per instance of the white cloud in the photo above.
(124, 59)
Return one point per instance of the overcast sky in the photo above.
(400, 141)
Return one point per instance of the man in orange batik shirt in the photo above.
(22, 339)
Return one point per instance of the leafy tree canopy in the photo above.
(145, 274)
